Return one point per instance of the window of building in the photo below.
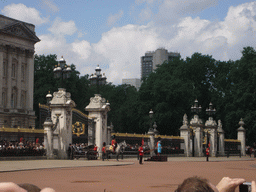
(23, 99)
(14, 98)
(4, 99)
(13, 70)
(23, 72)
(4, 68)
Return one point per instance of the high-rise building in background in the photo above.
(151, 59)
(134, 82)
(17, 40)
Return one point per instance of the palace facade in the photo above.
(17, 40)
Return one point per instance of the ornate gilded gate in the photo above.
(80, 123)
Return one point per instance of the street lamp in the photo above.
(151, 116)
(196, 109)
(97, 78)
(62, 70)
(48, 98)
(210, 111)
(155, 130)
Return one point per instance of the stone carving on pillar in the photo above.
(221, 144)
(211, 128)
(197, 125)
(185, 133)
(241, 136)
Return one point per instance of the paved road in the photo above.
(83, 175)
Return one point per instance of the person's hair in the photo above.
(194, 184)
(30, 187)
(104, 144)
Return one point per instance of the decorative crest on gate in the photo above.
(78, 128)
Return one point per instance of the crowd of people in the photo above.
(21, 148)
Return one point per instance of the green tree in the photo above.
(44, 81)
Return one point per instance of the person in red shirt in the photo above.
(95, 148)
(141, 153)
(113, 143)
(207, 151)
(104, 151)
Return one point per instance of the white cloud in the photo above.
(50, 5)
(82, 49)
(63, 28)
(166, 11)
(112, 19)
(51, 44)
(80, 34)
(123, 47)
(24, 13)
(224, 40)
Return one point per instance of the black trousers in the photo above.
(141, 157)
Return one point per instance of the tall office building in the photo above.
(17, 40)
(151, 59)
(133, 82)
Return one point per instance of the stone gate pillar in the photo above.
(48, 138)
(221, 143)
(197, 126)
(241, 136)
(61, 115)
(185, 133)
(211, 127)
(91, 131)
(98, 109)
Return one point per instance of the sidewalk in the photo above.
(6, 166)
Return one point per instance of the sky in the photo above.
(114, 34)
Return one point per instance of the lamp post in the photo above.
(155, 130)
(151, 135)
(62, 70)
(211, 123)
(210, 111)
(151, 117)
(97, 78)
(195, 108)
(48, 98)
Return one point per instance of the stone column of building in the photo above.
(221, 139)
(185, 133)
(18, 78)
(98, 109)
(30, 84)
(2, 48)
(61, 115)
(241, 136)
(211, 127)
(10, 51)
(48, 138)
(197, 126)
